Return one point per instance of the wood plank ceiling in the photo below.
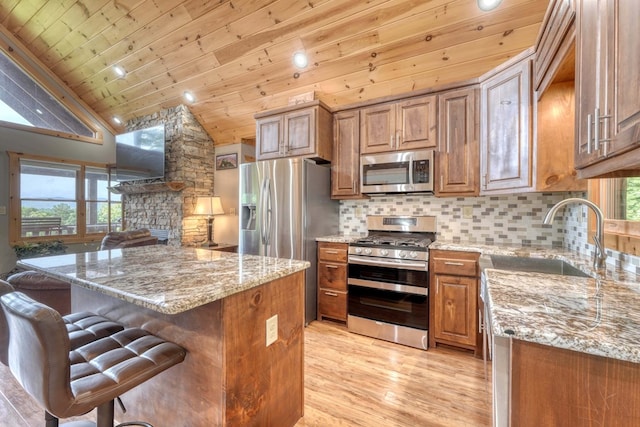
(235, 55)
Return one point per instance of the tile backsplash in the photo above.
(508, 219)
(498, 220)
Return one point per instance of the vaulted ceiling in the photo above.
(235, 55)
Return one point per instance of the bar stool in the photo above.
(73, 382)
(82, 328)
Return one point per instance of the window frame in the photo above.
(49, 82)
(15, 205)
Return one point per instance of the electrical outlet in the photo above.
(232, 211)
(272, 329)
(3, 210)
(358, 212)
(467, 212)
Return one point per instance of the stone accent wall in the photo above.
(189, 158)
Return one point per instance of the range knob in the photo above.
(413, 254)
(384, 252)
(402, 254)
(358, 250)
(367, 251)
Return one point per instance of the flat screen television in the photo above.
(140, 154)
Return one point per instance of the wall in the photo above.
(189, 158)
(226, 185)
(43, 145)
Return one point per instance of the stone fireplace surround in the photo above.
(189, 159)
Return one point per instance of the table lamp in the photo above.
(209, 206)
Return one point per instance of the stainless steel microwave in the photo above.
(399, 172)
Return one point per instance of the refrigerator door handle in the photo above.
(268, 211)
(263, 200)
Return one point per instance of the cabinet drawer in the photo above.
(332, 275)
(455, 263)
(336, 252)
(332, 304)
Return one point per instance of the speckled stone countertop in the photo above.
(163, 278)
(597, 315)
(340, 238)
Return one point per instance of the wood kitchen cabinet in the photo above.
(607, 78)
(409, 124)
(555, 48)
(505, 140)
(303, 130)
(454, 315)
(458, 146)
(345, 166)
(332, 281)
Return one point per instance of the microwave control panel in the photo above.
(421, 171)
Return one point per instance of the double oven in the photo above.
(388, 280)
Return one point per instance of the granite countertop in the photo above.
(166, 279)
(341, 238)
(596, 315)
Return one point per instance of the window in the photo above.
(61, 200)
(27, 104)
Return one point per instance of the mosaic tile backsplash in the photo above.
(495, 220)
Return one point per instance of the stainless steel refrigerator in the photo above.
(284, 205)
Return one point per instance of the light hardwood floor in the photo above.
(351, 380)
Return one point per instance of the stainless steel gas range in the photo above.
(389, 280)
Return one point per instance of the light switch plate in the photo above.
(3, 210)
(272, 329)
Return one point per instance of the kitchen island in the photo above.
(566, 350)
(214, 304)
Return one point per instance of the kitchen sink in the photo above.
(535, 265)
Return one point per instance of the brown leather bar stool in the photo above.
(53, 292)
(82, 328)
(73, 382)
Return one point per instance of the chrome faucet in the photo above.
(600, 257)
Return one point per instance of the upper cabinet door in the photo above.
(345, 167)
(378, 129)
(589, 96)
(300, 130)
(623, 48)
(505, 143)
(607, 78)
(417, 120)
(458, 151)
(269, 137)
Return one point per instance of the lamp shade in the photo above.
(208, 206)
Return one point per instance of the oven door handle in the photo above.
(407, 289)
(403, 265)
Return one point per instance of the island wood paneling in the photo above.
(229, 377)
(235, 56)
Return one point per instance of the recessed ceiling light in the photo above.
(300, 60)
(188, 96)
(487, 5)
(116, 120)
(119, 71)
(39, 111)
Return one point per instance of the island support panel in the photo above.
(229, 377)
